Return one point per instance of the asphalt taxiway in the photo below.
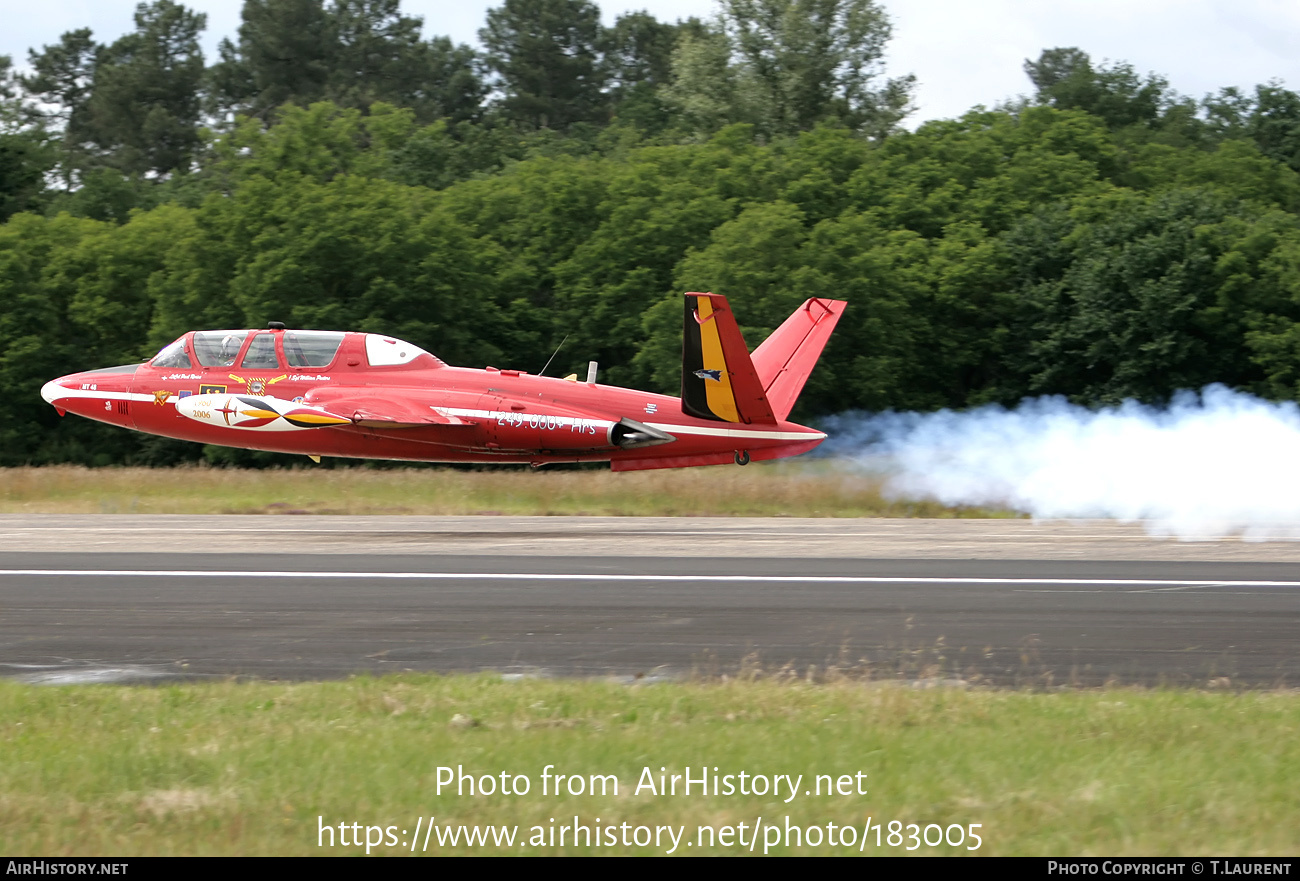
(86, 599)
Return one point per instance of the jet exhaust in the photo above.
(1211, 464)
(632, 435)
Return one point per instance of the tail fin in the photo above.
(786, 358)
(718, 379)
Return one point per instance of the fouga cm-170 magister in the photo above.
(369, 396)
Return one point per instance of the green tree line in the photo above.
(1104, 238)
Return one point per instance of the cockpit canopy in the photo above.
(273, 350)
(173, 355)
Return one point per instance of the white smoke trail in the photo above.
(1209, 465)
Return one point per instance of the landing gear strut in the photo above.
(742, 457)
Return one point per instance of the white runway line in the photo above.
(1168, 583)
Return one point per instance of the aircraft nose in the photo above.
(52, 391)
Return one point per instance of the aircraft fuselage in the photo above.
(368, 396)
(503, 416)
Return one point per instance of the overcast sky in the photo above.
(963, 52)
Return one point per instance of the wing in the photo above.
(371, 412)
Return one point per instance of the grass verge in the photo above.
(813, 489)
(257, 768)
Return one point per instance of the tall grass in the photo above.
(778, 490)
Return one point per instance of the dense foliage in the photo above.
(1104, 239)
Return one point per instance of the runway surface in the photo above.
(627, 536)
(1000, 602)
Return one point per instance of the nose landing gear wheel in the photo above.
(742, 457)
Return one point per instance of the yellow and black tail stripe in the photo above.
(718, 377)
(706, 381)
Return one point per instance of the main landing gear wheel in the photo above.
(742, 457)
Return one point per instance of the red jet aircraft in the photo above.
(368, 396)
